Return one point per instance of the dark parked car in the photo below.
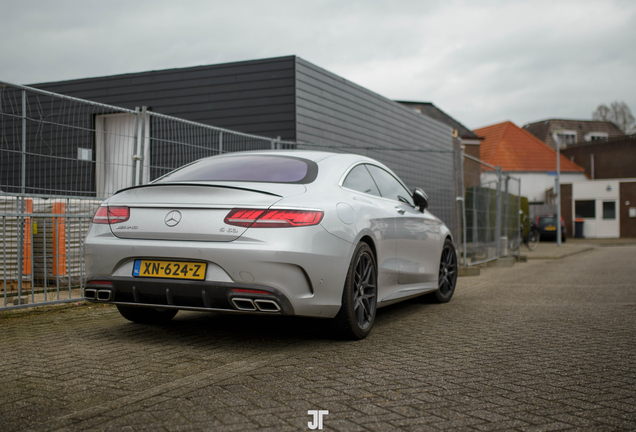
(547, 227)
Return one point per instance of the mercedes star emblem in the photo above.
(173, 218)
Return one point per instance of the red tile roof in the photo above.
(515, 149)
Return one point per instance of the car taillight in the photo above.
(251, 218)
(111, 215)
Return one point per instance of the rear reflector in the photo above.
(250, 291)
(98, 282)
(251, 218)
(112, 215)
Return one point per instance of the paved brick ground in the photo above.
(547, 345)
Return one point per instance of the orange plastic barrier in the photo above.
(28, 238)
(59, 240)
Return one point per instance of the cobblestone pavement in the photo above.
(546, 345)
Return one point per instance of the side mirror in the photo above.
(420, 199)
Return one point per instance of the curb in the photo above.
(562, 256)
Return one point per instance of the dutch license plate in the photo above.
(169, 269)
(550, 228)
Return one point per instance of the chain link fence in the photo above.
(492, 217)
(60, 157)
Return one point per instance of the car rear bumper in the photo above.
(550, 234)
(304, 269)
(188, 295)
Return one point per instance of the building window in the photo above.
(566, 138)
(585, 209)
(609, 210)
(595, 136)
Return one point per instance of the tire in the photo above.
(562, 239)
(142, 315)
(533, 239)
(359, 296)
(447, 279)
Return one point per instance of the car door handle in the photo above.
(400, 210)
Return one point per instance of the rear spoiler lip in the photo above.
(198, 184)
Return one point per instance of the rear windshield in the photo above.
(255, 168)
(547, 220)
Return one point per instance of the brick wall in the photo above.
(615, 158)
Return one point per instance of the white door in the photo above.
(116, 164)
(607, 223)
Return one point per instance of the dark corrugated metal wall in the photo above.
(332, 111)
(254, 97)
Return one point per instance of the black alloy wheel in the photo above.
(447, 273)
(359, 297)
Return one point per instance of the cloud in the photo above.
(482, 62)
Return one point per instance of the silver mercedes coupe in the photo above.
(303, 233)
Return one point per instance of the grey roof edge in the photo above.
(566, 119)
(442, 116)
(168, 70)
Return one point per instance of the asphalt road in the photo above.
(546, 345)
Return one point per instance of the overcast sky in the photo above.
(482, 62)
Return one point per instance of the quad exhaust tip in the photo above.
(104, 295)
(267, 305)
(244, 304)
(262, 305)
(100, 295)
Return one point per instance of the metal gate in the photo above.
(492, 217)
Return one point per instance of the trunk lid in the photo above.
(191, 212)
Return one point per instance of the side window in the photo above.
(389, 186)
(360, 180)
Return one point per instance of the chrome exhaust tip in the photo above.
(90, 294)
(243, 304)
(104, 295)
(267, 305)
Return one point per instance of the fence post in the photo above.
(59, 240)
(498, 214)
(142, 145)
(24, 128)
(20, 202)
(519, 218)
(27, 254)
(221, 142)
(505, 213)
(476, 192)
(456, 222)
(135, 155)
(464, 229)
